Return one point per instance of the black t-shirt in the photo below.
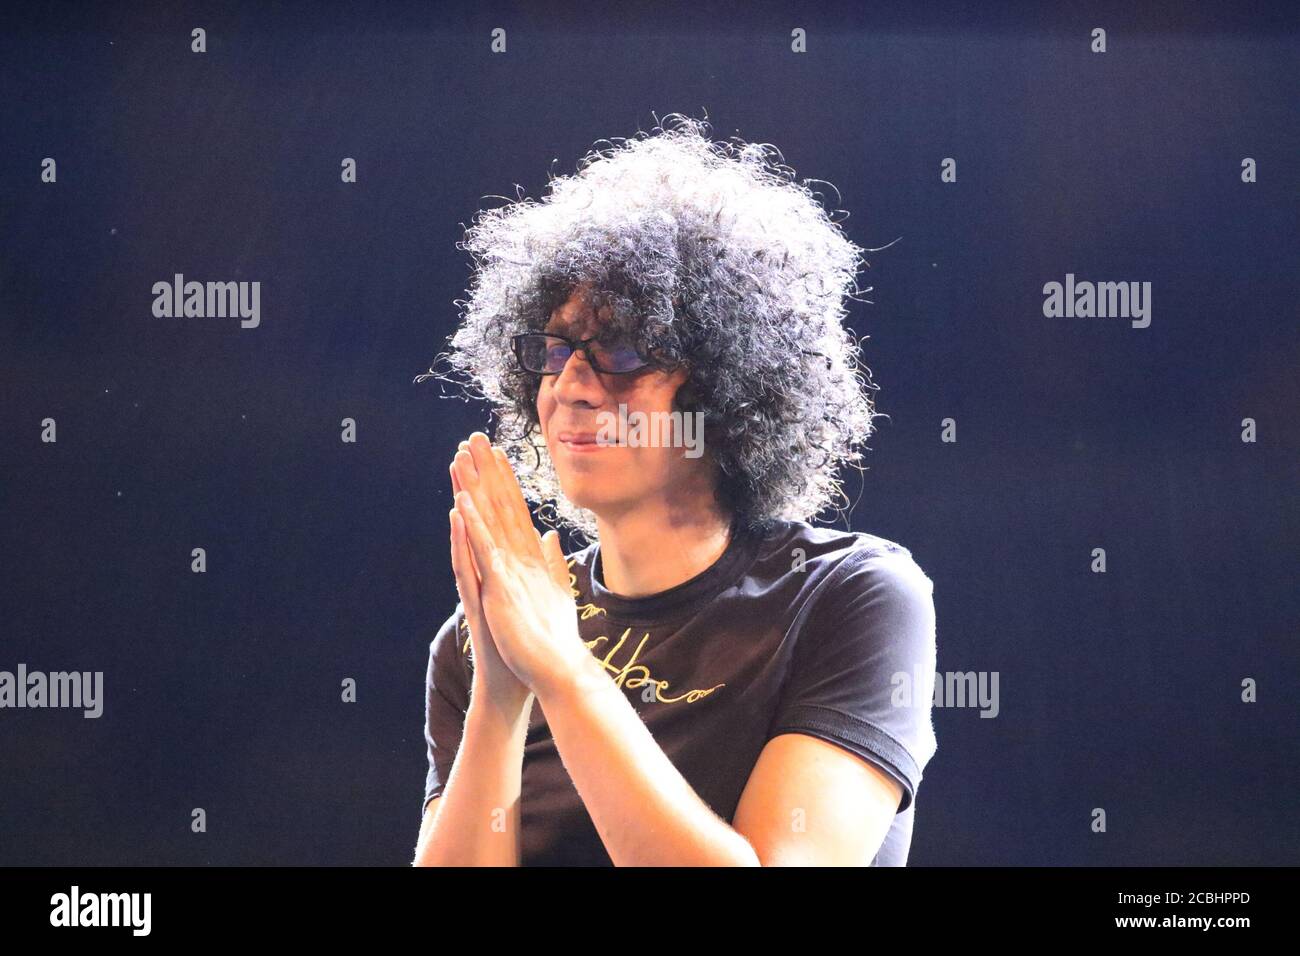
(796, 629)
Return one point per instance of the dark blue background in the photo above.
(328, 560)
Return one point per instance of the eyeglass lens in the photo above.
(548, 354)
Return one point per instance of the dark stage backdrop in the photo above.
(1002, 148)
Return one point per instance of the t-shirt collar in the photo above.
(730, 565)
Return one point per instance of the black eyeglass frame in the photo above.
(575, 345)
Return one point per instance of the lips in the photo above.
(581, 442)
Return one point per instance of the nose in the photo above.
(577, 381)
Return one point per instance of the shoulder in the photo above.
(868, 626)
(854, 580)
(855, 557)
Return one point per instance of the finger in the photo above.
(486, 554)
(468, 587)
(511, 483)
(471, 482)
(466, 582)
(503, 498)
(516, 504)
(455, 490)
(555, 560)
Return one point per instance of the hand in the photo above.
(523, 586)
(492, 679)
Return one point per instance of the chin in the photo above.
(592, 492)
(583, 492)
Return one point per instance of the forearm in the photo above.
(645, 811)
(477, 819)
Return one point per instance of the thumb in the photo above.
(555, 561)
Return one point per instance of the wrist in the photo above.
(508, 707)
(584, 677)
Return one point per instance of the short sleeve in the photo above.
(446, 701)
(862, 672)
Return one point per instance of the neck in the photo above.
(649, 550)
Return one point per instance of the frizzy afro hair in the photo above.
(712, 255)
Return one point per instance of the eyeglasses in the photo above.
(545, 354)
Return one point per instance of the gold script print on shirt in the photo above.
(630, 675)
(624, 676)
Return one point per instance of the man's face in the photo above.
(606, 479)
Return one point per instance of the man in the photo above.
(717, 681)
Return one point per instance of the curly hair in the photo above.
(706, 255)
